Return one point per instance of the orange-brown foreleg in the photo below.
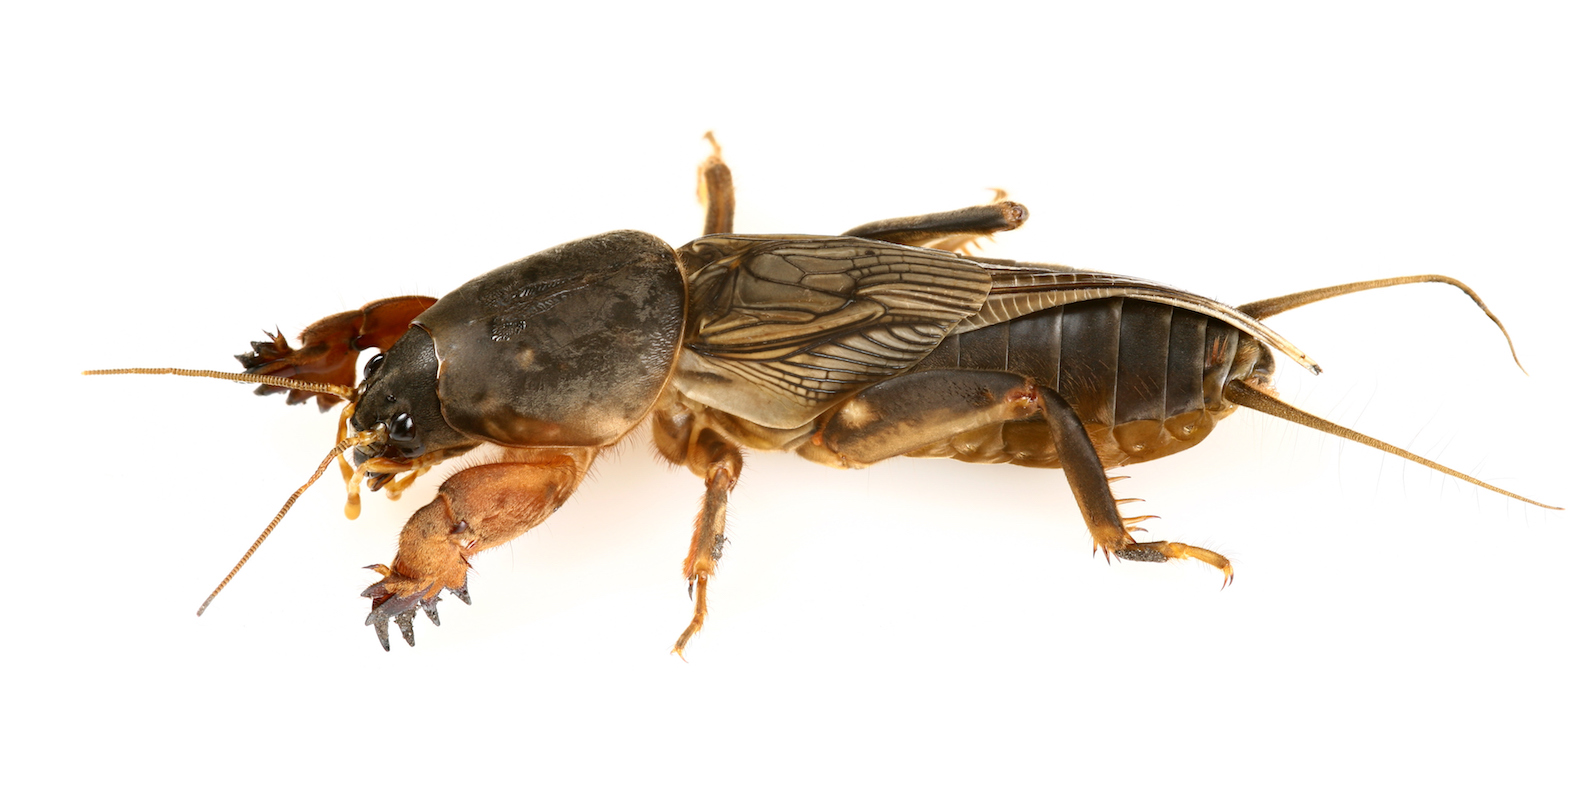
(330, 347)
(475, 510)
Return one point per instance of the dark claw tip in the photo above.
(406, 626)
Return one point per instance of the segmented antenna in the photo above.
(345, 392)
(364, 437)
(377, 434)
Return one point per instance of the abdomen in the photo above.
(1146, 379)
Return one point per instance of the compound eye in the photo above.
(401, 429)
(372, 365)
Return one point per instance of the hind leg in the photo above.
(715, 191)
(952, 231)
(925, 409)
(681, 439)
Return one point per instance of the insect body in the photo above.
(846, 350)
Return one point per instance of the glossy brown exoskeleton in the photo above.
(886, 341)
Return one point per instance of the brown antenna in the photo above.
(365, 437)
(376, 434)
(345, 392)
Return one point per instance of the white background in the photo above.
(178, 177)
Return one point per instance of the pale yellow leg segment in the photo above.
(720, 464)
(708, 544)
(1163, 551)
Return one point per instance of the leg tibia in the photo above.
(1087, 478)
(952, 231)
(1093, 492)
(719, 463)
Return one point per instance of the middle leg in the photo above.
(952, 231)
(710, 456)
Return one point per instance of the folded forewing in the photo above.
(782, 327)
(1020, 289)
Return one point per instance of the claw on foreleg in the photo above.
(396, 597)
(406, 625)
